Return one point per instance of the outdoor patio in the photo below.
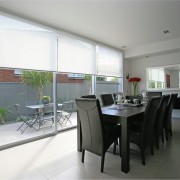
(9, 133)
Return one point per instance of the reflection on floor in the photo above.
(57, 157)
(9, 133)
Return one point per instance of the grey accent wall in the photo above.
(17, 93)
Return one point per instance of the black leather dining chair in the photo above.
(107, 99)
(158, 129)
(92, 96)
(96, 137)
(168, 116)
(143, 136)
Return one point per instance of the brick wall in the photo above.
(63, 78)
(8, 76)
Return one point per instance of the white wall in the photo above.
(137, 67)
(174, 79)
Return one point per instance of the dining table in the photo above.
(123, 115)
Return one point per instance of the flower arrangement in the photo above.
(134, 80)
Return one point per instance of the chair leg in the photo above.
(120, 147)
(20, 126)
(152, 150)
(102, 162)
(170, 130)
(114, 147)
(166, 133)
(162, 137)
(157, 142)
(142, 156)
(83, 153)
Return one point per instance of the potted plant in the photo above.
(3, 112)
(46, 99)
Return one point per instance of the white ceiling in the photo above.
(116, 23)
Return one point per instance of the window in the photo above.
(76, 56)
(109, 62)
(156, 78)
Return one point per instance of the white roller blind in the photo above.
(75, 56)
(110, 62)
(31, 48)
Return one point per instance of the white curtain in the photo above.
(76, 56)
(28, 50)
(26, 46)
(109, 62)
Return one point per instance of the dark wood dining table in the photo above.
(123, 116)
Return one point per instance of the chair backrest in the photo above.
(90, 116)
(92, 96)
(161, 114)
(153, 93)
(147, 133)
(18, 111)
(68, 106)
(59, 100)
(107, 99)
(167, 119)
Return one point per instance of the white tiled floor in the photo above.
(57, 158)
(9, 133)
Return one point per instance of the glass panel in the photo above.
(156, 78)
(70, 87)
(164, 77)
(155, 75)
(108, 85)
(26, 116)
(161, 75)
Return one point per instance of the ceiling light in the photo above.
(166, 31)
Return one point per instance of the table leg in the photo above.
(125, 144)
(79, 134)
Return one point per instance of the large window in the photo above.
(57, 67)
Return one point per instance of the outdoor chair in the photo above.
(47, 115)
(28, 120)
(96, 136)
(65, 112)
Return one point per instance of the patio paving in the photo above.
(9, 133)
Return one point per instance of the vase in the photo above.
(45, 101)
(135, 88)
